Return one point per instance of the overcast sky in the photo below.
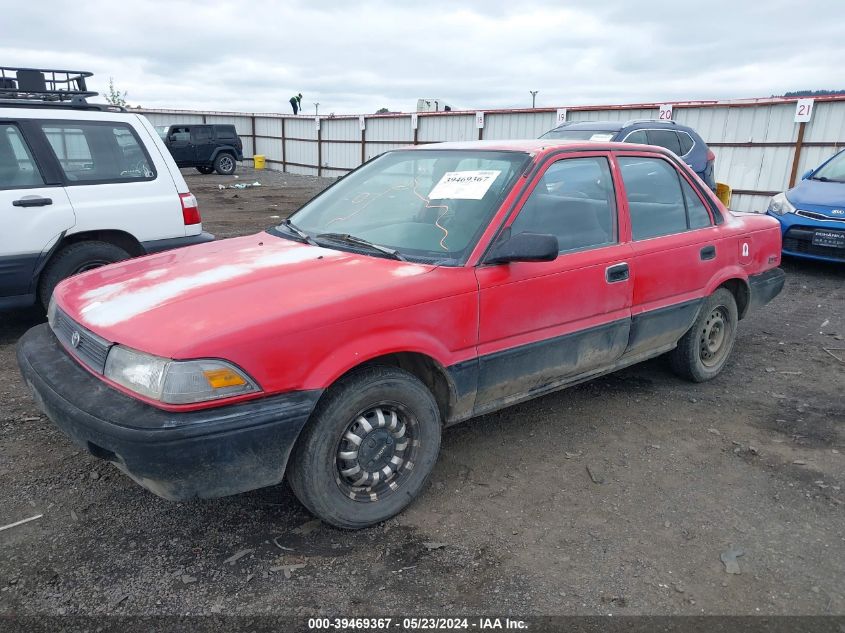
(355, 56)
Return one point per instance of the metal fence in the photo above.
(759, 148)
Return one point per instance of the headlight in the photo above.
(780, 204)
(176, 382)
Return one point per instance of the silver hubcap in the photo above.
(375, 453)
(713, 341)
(226, 163)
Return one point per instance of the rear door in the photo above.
(34, 210)
(203, 142)
(112, 180)
(542, 323)
(677, 249)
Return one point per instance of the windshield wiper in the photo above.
(359, 241)
(298, 232)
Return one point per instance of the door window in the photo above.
(180, 135)
(90, 152)
(658, 205)
(665, 138)
(574, 201)
(637, 136)
(17, 167)
(686, 143)
(201, 133)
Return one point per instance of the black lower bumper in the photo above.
(156, 246)
(765, 287)
(183, 455)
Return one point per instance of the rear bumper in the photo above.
(765, 287)
(197, 454)
(156, 246)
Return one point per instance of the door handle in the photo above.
(32, 201)
(616, 273)
(708, 252)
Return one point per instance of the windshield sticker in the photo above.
(602, 137)
(464, 185)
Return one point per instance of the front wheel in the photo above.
(702, 352)
(224, 164)
(205, 170)
(74, 259)
(369, 448)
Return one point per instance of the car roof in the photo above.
(598, 126)
(534, 146)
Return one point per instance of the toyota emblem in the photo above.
(74, 339)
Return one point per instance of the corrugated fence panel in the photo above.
(521, 125)
(828, 124)
(397, 129)
(374, 149)
(300, 127)
(271, 148)
(452, 127)
(343, 155)
(341, 130)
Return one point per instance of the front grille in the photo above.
(90, 349)
(800, 240)
(818, 216)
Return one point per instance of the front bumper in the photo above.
(196, 454)
(765, 287)
(798, 232)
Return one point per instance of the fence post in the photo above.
(254, 145)
(284, 160)
(797, 157)
(319, 151)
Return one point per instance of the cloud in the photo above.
(358, 57)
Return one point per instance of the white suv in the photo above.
(81, 185)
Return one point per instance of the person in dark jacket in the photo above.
(296, 103)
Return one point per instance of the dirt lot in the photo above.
(512, 522)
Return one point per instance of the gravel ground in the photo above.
(617, 496)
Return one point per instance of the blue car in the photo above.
(812, 214)
(681, 139)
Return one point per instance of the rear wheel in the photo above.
(702, 352)
(224, 164)
(369, 448)
(205, 169)
(74, 259)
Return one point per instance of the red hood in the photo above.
(172, 303)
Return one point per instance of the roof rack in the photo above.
(44, 84)
(633, 121)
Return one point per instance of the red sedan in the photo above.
(428, 286)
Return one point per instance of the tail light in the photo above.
(190, 210)
(710, 155)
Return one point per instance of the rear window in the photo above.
(94, 152)
(686, 143)
(226, 133)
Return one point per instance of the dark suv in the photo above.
(680, 139)
(207, 147)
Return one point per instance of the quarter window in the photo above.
(95, 152)
(686, 143)
(17, 167)
(574, 201)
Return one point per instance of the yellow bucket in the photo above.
(723, 192)
(258, 159)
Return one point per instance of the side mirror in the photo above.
(807, 174)
(525, 247)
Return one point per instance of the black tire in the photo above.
(316, 465)
(225, 164)
(702, 352)
(205, 170)
(74, 259)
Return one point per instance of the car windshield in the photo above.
(833, 171)
(580, 135)
(428, 205)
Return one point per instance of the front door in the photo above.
(180, 146)
(33, 213)
(543, 323)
